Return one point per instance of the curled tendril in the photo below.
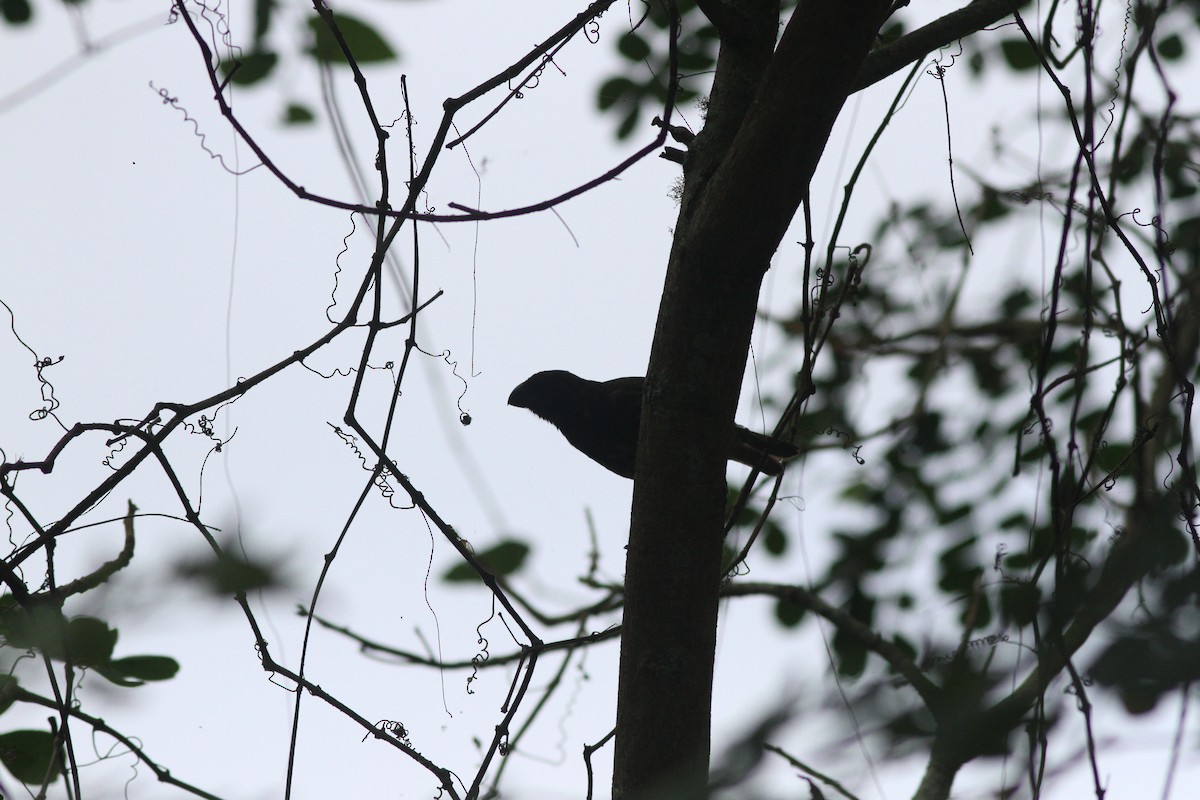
(395, 728)
(337, 372)
(1025, 197)
(463, 416)
(173, 102)
(337, 268)
(113, 451)
(938, 70)
(382, 473)
(984, 641)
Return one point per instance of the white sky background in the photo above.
(129, 251)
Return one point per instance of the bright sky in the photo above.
(159, 275)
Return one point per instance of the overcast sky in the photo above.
(160, 273)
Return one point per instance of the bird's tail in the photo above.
(763, 452)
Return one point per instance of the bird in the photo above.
(601, 420)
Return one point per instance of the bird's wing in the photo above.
(608, 428)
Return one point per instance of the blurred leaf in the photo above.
(927, 433)
(229, 574)
(1019, 602)
(251, 68)
(861, 493)
(1144, 665)
(851, 652)
(1110, 455)
(951, 515)
(16, 12)
(33, 628)
(1019, 55)
(788, 612)
(614, 90)
(990, 377)
(8, 690)
(976, 63)
(263, 10)
(774, 539)
(504, 558)
(628, 123)
(1016, 302)
(1018, 520)
(89, 642)
(959, 567)
(1170, 47)
(905, 646)
(136, 670)
(296, 114)
(633, 46)
(364, 42)
(29, 755)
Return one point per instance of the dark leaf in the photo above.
(251, 68)
(263, 10)
(229, 574)
(296, 114)
(1019, 602)
(365, 43)
(788, 612)
(1170, 47)
(29, 755)
(774, 539)
(614, 90)
(16, 12)
(136, 670)
(1019, 55)
(633, 46)
(504, 558)
(89, 641)
(8, 690)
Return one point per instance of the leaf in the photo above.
(90, 641)
(16, 12)
(788, 612)
(29, 629)
(633, 46)
(1171, 47)
(951, 515)
(262, 18)
(365, 43)
(774, 539)
(612, 90)
(29, 755)
(8, 691)
(1019, 55)
(504, 558)
(136, 670)
(229, 574)
(251, 68)
(296, 114)
(628, 124)
(87, 640)
(1110, 455)
(1019, 602)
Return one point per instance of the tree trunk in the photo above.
(744, 180)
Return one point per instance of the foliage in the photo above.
(1021, 440)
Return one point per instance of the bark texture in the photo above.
(770, 115)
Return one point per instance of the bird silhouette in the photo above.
(601, 420)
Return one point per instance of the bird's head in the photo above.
(545, 392)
